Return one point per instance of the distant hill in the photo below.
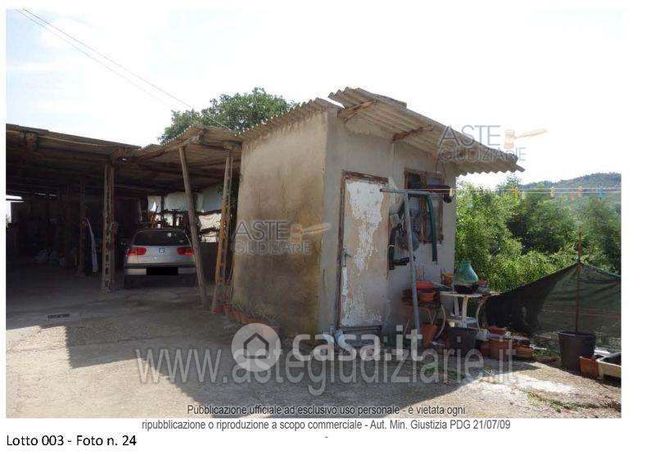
(593, 180)
(587, 182)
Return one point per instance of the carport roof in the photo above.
(39, 160)
(206, 147)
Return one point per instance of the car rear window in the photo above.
(160, 238)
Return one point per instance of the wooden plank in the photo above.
(193, 227)
(108, 232)
(220, 273)
(68, 224)
(81, 245)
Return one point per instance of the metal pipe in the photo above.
(425, 192)
(412, 265)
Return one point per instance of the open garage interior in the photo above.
(76, 202)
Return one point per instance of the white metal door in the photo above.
(364, 252)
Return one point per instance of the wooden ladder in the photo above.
(220, 275)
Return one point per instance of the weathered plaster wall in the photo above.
(358, 148)
(282, 178)
(295, 174)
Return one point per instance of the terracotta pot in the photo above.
(428, 331)
(523, 352)
(589, 367)
(497, 330)
(498, 348)
(424, 285)
(426, 296)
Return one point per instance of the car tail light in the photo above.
(185, 250)
(136, 250)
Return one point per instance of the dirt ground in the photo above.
(85, 364)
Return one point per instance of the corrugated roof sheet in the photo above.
(298, 113)
(390, 115)
(403, 124)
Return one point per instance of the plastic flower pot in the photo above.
(573, 345)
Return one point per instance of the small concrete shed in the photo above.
(310, 185)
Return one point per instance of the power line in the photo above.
(92, 57)
(170, 95)
(47, 26)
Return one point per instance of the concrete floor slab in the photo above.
(87, 364)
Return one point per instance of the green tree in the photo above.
(543, 224)
(238, 112)
(512, 240)
(601, 234)
(484, 237)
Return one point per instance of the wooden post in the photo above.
(162, 202)
(193, 227)
(68, 226)
(577, 282)
(108, 232)
(220, 278)
(81, 247)
(60, 226)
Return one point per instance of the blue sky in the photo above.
(519, 67)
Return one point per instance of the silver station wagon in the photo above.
(159, 252)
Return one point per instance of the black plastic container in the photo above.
(462, 340)
(573, 345)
